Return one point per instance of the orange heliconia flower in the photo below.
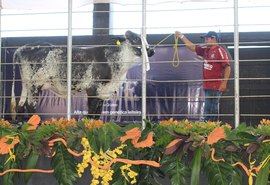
(146, 143)
(133, 134)
(216, 135)
(34, 121)
(4, 147)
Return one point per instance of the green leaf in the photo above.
(176, 170)
(118, 178)
(148, 124)
(64, 166)
(148, 174)
(263, 175)
(5, 132)
(31, 163)
(221, 173)
(246, 135)
(105, 139)
(196, 167)
(115, 130)
(8, 178)
(93, 139)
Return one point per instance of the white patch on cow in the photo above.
(50, 73)
(23, 95)
(127, 58)
(87, 79)
(48, 76)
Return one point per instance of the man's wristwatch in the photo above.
(182, 36)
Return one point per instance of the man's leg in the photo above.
(211, 106)
(207, 105)
(215, 106)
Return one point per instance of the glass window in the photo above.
(190, 16)
(162, 17)
(18, 23)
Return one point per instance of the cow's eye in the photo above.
(136, 39)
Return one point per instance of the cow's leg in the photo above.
(21, 104)
(94, 104)
(32, 99)
(94, 108)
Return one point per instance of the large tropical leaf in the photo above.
(263, 175)
(241, 134)
(115, 130)
(221, 173)
(148, 175)
(105, 138)
(93, 138)
(196, 167)
(31, 163)
(8, 178)
(118, 178)
(176, 170)
(64, 166)
(120, 181)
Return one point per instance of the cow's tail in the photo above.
(13, 98)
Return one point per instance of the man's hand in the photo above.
(179, 34)
(187, 42)
(223, 86)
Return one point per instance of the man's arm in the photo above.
(187, 42)
(227, 72)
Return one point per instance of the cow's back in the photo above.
(32, 52)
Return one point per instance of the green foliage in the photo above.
(264, 127)
(64, 166)
(186, 158)
(162, 136)
(31, 163)
(263, 175)
(118, 178)
(149, 174)
(241, 135)
(103, 137)
(196, 167)
(221, 173)
(176, 170)
(8, 179)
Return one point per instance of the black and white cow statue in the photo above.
(100, 71)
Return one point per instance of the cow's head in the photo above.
(135, 40)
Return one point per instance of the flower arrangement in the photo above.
(182, 150)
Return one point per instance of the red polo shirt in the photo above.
(215, 59)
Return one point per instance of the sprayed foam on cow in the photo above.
(86, 80)
(126, 59)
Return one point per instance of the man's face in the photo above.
(210, 41)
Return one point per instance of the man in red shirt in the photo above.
(216, 71)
